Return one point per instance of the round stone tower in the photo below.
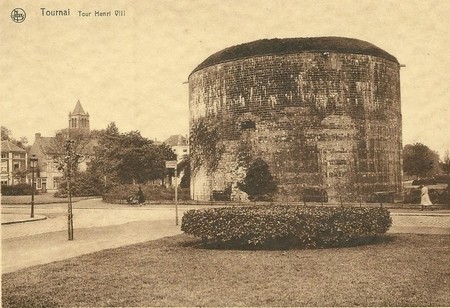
(324, 113)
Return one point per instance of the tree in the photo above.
(20, 175)
(21, 143)
(258, 182)
(129, 158)
(420, 161)
(68, 163)
(140, 160)
(445, 164)
(66, 149)
(6, 133)
(106, 159)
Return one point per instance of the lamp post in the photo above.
(176, 197)
(33, 164)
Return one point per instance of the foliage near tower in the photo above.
(286, 226)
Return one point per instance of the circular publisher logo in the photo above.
(18, 15)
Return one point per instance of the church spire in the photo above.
(78, 109)
(79, 119)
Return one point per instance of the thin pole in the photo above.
(176, 198)
(32, 192)
(69, 214)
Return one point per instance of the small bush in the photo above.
(286, 226)
(259, 183)
(17, 190)
(83, 184)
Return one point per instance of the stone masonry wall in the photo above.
(320, 120)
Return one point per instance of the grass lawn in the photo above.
(38, 199)
(400, 270)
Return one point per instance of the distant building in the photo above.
(48, 174)
(48, 149)
(14, 159)
(179, 145)
(79, 120)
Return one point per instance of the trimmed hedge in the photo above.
(18, 190)
(151, 193)
(286, 226)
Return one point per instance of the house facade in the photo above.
(14, 163)
(179, 145)
(48, 175)
(48, 150)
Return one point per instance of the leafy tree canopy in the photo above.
(7, 135)
(129, 157)
(420, 161)
(445, 164)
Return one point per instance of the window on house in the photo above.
(56, 182)
(4, 155)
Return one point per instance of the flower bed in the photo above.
(286, 226)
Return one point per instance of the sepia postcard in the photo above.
(225, 153)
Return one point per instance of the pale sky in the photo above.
(131, 69)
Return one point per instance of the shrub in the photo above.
(258, 182)
(286, 226)
(437, 196)
(151, 192)
(83, 184)
(17, 190)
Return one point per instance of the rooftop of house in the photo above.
(9, 146)
(295, 45)
(53, 145)
(176, 140)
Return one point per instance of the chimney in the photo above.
(37, 135)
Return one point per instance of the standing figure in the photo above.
(140, 195)
(425, 198)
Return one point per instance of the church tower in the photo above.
(79, 120)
